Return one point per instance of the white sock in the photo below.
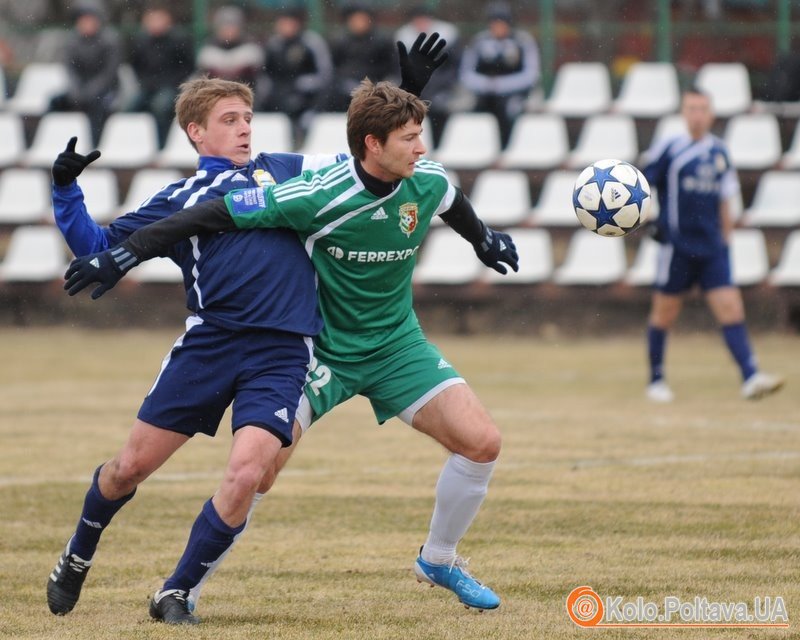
(194, 592)
(460, 492)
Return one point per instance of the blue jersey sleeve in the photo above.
(83, 235)
(657, 164)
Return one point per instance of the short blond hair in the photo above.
(378, 109)
(197, 98)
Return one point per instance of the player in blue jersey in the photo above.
(696, 182)
(246, 344)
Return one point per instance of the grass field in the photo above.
(594, 487)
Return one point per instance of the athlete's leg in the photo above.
(664, 311)
(265, 485)
(222, 518)
(113, 485)
(456, 419)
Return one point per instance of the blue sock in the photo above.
(208, 540)
(95, 517)
(656, 341)
(739, 345)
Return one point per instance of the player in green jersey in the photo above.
(362, 222)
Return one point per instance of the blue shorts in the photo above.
(678, 272)
(261, 372)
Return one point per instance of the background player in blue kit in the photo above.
(695, 182)
(247, 342)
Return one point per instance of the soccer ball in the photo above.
(611, 197)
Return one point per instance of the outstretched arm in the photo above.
(106, 268)
(494, 248)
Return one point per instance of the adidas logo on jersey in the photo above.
(238, 177)
(380, 214)
(283, 414)
(444, 364)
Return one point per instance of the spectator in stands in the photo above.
(501, 66)
(442, 90)
(92, 55)
(362, 51)
(298, 69)
(162, 58)
(696, 184)
(229, 54)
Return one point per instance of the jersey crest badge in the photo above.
(408, 218)
(263, 178)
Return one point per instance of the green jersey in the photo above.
(363, 246)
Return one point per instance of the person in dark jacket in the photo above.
(361, 51)
(92, 56)
(162, 58)
(501, 66)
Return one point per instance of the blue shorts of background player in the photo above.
(678, 272)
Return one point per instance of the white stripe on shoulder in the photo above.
(192, 199)
(317, 183)
(189, 184)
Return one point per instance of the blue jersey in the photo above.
(239, 281)
(692, 177)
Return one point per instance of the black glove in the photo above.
(105, 268)
(69, 164)
(417, 66)
(496, 248)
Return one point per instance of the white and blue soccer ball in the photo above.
(611, 197)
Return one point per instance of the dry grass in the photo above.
(595, 486)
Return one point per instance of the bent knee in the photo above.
(486, 446)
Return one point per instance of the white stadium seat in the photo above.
(157, 270)
(580, 89)
(100, 193)
(178, 151)
(469, 141)
(12, 133)
(605, 136)
(535, 250)
(749, 260)
(787, 272)
(128, 141)
(447, 259)
(554, 207)
(34, 254)
(25, 196)
(146, 183)
(272, 133)
(327, 133)
(728, 85)
(643, 271)
(791, 159)
(592, 260)
(538, 141)
(754, 140)
(649, 90)
(776, 202)
(501, 198)
(51, 137)
(38, 83)
(669, 126)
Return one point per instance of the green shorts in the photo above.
(398, 380)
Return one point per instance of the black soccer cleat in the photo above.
(65, 582)
(171, 607)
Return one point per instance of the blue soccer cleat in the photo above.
(454, 576)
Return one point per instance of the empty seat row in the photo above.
(38, 254)
(501, 197)
(592, 260)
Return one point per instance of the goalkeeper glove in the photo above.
(495, 249)
(417, 66)
(105, 268)
(69, 163)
